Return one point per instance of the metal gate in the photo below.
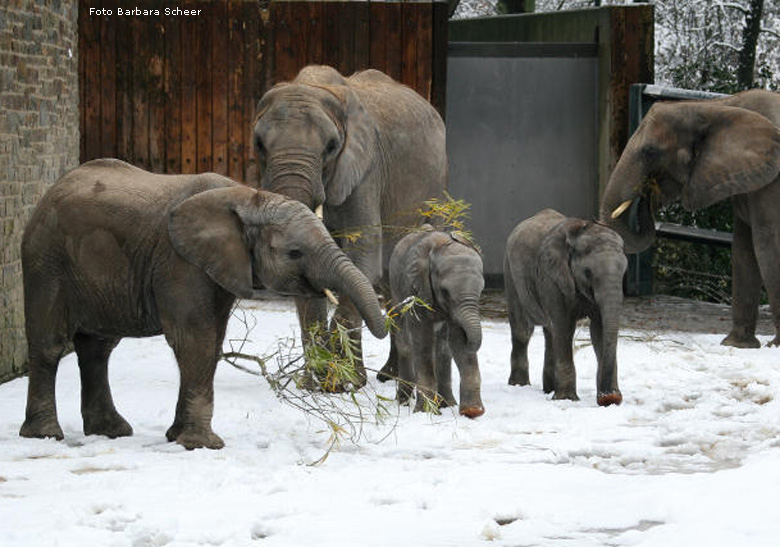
(522, 135)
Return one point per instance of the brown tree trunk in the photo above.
(747, 55)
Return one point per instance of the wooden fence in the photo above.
(177, 93)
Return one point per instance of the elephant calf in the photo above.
(113, 251)
(446, 272)
(558, 270)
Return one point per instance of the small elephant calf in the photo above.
(445, 271)
(558, 270)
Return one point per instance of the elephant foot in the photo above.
(562, 395)
(112, 426)
(427, 404)
(611, 398)
(519, 379)
(447, 400)
(737, 340)
(774, 342)
(404, 392)
(192, 438)
(41, 429)
(472, 411)
(387, 372)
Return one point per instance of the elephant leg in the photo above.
(196, 352)
(768, 257)
(423, 345)
(98, 413)
(521, 333)
(745, 288)
(390, 368)
(406, 373)
(46, 344)
(470, 380)
(548, 373)
(565, 375)
(348, 316)
(442, 358)
(312, 317)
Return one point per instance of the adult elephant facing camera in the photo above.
(368, 149)
(700, 153)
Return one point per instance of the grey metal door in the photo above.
(522, 135)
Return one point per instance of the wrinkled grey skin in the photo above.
(558, 270)
(700, 153)
(367, 148)
(113, 251)
(446, 273)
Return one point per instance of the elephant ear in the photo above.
(206, 231)
(739, 153)
(420, 271)
(555, 256)
(358, 153)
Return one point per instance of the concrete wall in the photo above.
(39, 139)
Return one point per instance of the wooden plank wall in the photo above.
(177, 94)
(172, 93)
(407, 40)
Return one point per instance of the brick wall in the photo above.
(39, 139)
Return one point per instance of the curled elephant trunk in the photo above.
(336, 271)
(470, 321)
(625, 207)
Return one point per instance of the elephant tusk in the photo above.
(332, 297)
(622, 208)
(318, 212)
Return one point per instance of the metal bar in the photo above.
(669, 230)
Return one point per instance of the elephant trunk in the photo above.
(468, 317)
(334, 270)
(624, 206)
(297, 175)
(609, 301)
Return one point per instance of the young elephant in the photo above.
(113, 251)
(446, 272)
(558, 270)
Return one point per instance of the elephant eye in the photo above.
(331, 147)
(259, 145)
(295, 254)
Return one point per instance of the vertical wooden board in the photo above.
(189, 106)
(155, 42)
(424, 18)
(345, 36)
(140, 94)
(330, 39)
(124, 92)
(409, 45)
(173, 94)
(108, 79)
(378, 35)
(251, 87)
(362, 41)
(235, 90)
(314, 51)
(92, 124)
(440, 45)
(219, 86)
(394, 37)
(284, 42)
(203, 50)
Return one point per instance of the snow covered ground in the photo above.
(692, 457)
